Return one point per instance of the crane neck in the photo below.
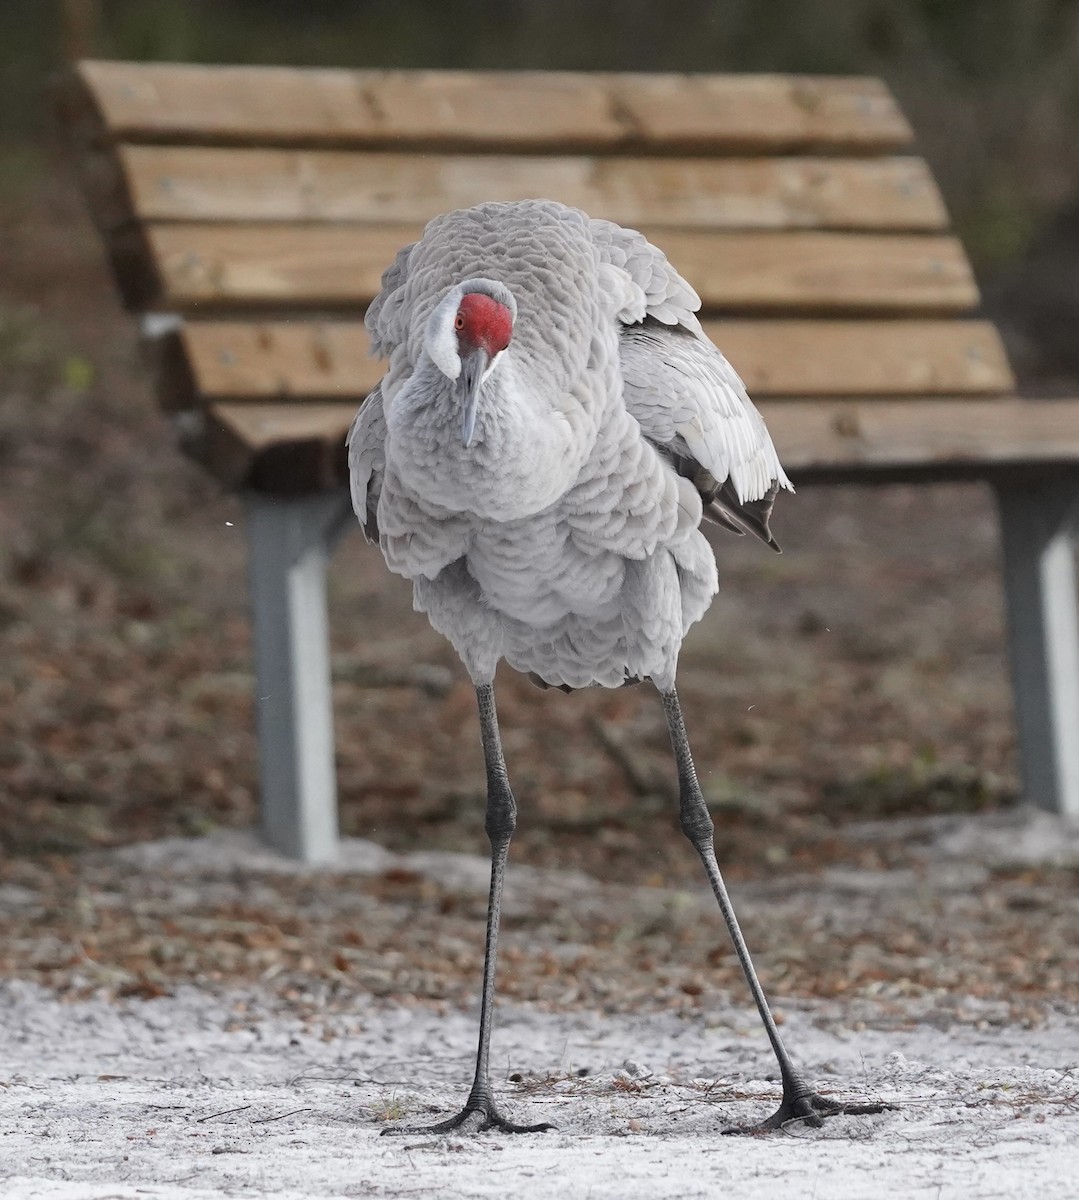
(526, 451)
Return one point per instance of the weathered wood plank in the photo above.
(277, 447)
(763, 111)
(180, 183)
(866, 358)
(286, 360)
(522, 110)
(318, 360)
(825, 272)
(339, 266)
(851, 435)
(299, 447)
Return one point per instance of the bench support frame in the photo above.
(290, 541)
(1038, 521)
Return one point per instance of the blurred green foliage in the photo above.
(992, 86)
(78, 373)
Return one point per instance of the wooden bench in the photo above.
(249, 212)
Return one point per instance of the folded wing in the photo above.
(687, 398)
(366, 444)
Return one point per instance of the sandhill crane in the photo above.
(552, 427)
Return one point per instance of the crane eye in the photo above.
(459, 322)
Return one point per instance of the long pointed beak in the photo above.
(473, 366)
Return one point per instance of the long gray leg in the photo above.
(799, 1101)
(500, 823)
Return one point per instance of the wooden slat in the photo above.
(764, 112)
(305, 361)
(826, 272)
(866, 358)
(525, 110)
(295, 360)
(260, 426)
(340, 266)
(301, 447)
(173, 183)
(918, 433)
(277, 447)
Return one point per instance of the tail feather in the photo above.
(750, 516)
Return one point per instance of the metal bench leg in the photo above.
(290, 540)
(1038, 522)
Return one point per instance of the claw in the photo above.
(491, 1118)
(802, 1104)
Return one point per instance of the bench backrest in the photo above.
(260, 205)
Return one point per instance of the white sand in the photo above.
(200, 1095)
(179, 1098)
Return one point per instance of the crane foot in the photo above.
(806, 1107)
(473, 1118)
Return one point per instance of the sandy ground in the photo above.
(243, 1091)
(155, 1098)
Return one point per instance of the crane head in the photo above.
(467, 333)
(484, 323)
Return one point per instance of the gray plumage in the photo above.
(566, 537)
(551, 430)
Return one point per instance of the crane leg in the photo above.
(800, 1102)
(480, 1109)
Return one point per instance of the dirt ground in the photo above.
(848, 704)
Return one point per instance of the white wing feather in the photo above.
(686, 396)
